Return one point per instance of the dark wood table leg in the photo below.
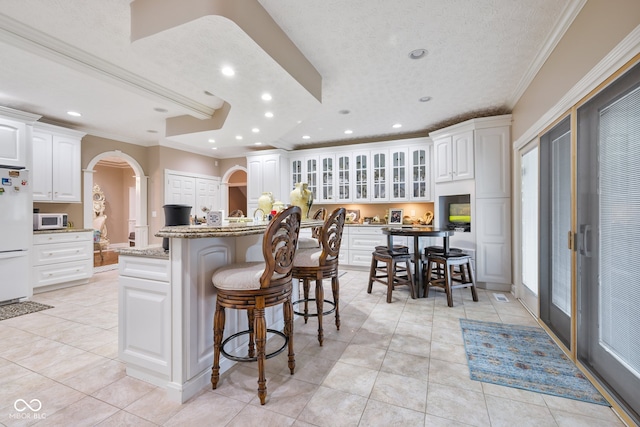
(417, 277)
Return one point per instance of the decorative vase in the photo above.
(265, 202)
(302, 197)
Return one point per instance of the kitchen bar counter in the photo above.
(63, 230)
(167, 302)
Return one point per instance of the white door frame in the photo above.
(141, 227)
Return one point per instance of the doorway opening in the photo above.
(234, 190)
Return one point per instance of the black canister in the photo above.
(175, 215)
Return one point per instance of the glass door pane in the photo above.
(529, 229)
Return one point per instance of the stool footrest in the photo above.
(331, 303)
(252, 359)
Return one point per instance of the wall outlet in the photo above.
(413, 212)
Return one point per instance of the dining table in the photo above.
(417, 232)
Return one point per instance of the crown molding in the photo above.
(24, 37)
(613, 61)
(565, 20)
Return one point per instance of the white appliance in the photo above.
(49, 221)
(16, 233)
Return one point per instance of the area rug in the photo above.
(20, 308)
(523, 357)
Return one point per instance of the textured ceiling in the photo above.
(60, 55)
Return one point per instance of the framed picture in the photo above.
(353, 215)
(395, 216)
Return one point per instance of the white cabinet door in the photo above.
(420, 174)
(443, 160)
(493, 256)
(254, 181)
(13, 143)
(66, 169)
(296, 172)
(361, 177)
(311, 175)
(326, 190)
(379, 175)
(42, 166)
(343, 182)
(493, 162)
(462, 156)
(399, 174)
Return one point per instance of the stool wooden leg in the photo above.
(252, 351)
(412, 284)
(218, 332)
(472, 279)
(319, 304)
(427, 279)
(305, 290)
(447, 282)
(372, 273)
(335, 288)
(260, 329)
(288, 331)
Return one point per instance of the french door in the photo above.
(528, 292)
(555, 227)
(608, 197)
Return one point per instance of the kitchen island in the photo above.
(167, 302)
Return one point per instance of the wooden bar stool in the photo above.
(254, 286)
(447, 262)
(321, 263)
(436, 270)
(386, 268)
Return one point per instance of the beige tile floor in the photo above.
(390, 364)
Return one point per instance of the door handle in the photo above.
(585, 230)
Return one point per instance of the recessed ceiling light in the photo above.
(397, 125)
(266, 97)
(152, 131)
(211, 140)
(418, 53)
(238, 137)
(74, 114)
(268, 114)
(306, 137)
(214, 148)
(258, 143)
(425, 99)
(348, 131)
(344, 112)
(228, 71)
(161, 110)
(255, 130)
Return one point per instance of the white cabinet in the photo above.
(311, 175)
(13, 143)
(493, 162)
(454, 157)
(493, 253)
(61, 259)
(267, 172)
(360, 177)
(56, 173)
(420, 173)
(144, 323)
(362, 242)
(343, 178)
(399, 174)
(379, 176)
(327, 181)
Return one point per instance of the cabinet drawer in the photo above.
(366, 242)
(144, 268)
(365, 230)
(52, 274)
(360, 258)
(61, 252)
(39, 239)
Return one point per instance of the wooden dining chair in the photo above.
(306, 242)
(254, 286)
(318, 264)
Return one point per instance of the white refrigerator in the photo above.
(16, 226)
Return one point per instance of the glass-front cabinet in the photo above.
(379, 184)
(420, 174)
(327, 178)
(399, 177)
(361, 176)
(311, 175)
(296, 172)
(343, 184)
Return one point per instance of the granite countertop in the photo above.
(63, 230)
(148, 252)
(230, 230)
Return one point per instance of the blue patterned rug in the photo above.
(523, 357)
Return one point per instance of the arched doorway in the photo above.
(140, 199)
(234, 189)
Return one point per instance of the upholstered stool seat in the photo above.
(447, 262)
(318, 264)
(254, 286)
(392, 268)
(436, 271)
(313, 242)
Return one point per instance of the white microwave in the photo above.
(49, 221)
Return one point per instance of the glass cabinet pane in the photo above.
(399, 174)
(296, 173)
(379, 176)
(312, 176)
(327, 178)
(343, 177)
(419, 174)
(361, 181)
